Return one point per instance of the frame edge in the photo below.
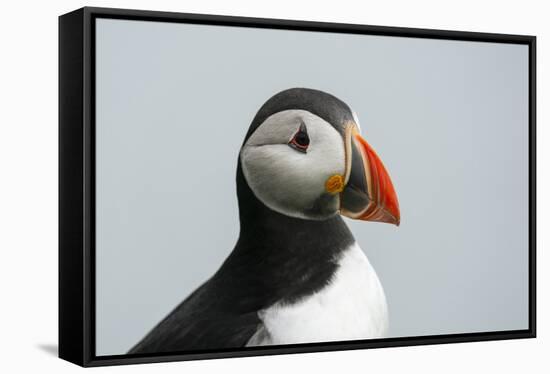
(76, 267)
(71, 262)
(303, 25)
(532, 144)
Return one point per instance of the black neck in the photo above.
(278, 257)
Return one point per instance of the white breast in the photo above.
(353, 306)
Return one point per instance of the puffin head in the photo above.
(304, 157)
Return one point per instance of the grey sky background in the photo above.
(449, 119)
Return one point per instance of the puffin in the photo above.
(296, 274)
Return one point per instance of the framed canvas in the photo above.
(237, 186)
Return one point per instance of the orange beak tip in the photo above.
(385, 205)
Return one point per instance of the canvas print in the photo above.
(260, 187)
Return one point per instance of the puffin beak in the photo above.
(369, 194)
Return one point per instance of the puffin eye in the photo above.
(300, 140)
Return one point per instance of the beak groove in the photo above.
(369, 194)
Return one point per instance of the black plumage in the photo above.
(277, 258)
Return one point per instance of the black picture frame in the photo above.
(77, 184)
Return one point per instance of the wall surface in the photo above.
(28, 192)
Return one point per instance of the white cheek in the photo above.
(289, 181)
(278, 176)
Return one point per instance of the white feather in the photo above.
(353, 306)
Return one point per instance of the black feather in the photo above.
(277, 258)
